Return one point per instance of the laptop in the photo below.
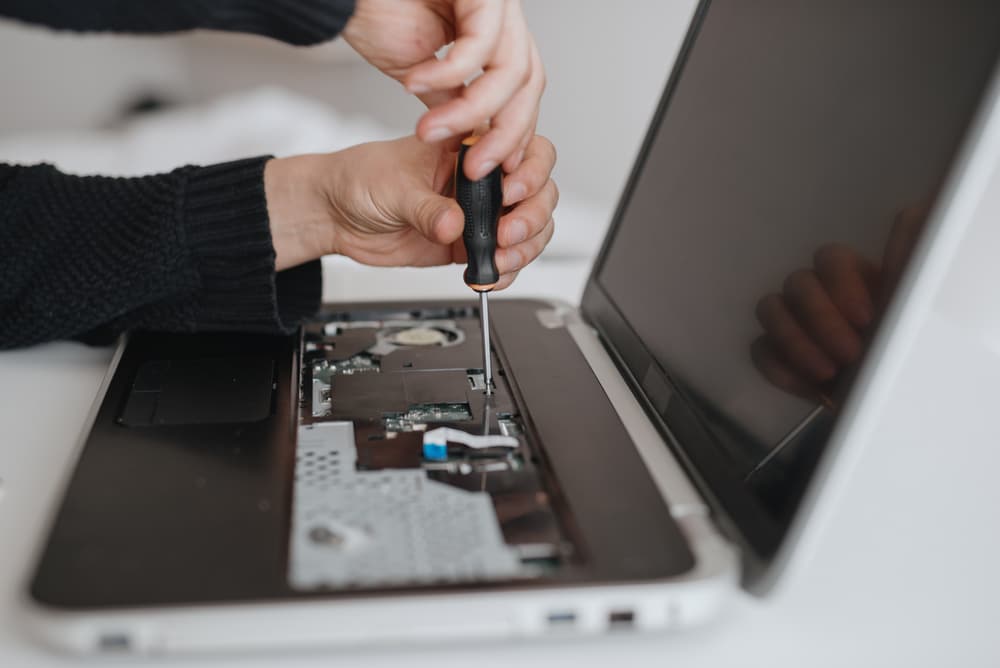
(643, 456)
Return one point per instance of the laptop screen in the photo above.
(790, 167)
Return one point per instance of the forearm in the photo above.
(186, 251)
(299, 22)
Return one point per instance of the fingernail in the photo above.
(437, 134)
(418, 88)
(486, 168)
(517, 232)
(515, 192)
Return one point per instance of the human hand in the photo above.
(819, 326)
(391, 204)
(401, 37)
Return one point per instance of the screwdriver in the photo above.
(482, 204)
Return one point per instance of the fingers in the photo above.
(436, 98)
(507, 96)
(818, 325)
(820, 318)
(524, 232)
(795, 345)
(774, 368)
(479, 26)
(850, 280)
(509, 127)
(536, 87)
(532, 173)
(511, 258)
(505, 74)
(505, 281)
(515, 258)
(529, 218)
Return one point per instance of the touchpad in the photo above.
(200, 391)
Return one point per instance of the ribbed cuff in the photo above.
(228, 234)
(297, 22)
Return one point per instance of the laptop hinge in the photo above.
(560, 315)
(668, 474)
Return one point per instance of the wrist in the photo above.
(301, 222)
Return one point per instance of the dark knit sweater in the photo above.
(90, 257)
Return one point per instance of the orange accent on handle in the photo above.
(482, 288)
(470, 140)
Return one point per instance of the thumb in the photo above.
(438, 218)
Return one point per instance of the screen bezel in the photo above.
(740, 513)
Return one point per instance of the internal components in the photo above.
(378, 450)
(436, 442)
(420, 336)
(508, 425)
(419, 416)
(477, 380)
(387, 381)
(391, 335)
(324, 369)
(364, 346)
(355, 528)
(473, 464)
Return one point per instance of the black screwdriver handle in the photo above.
(482, 204)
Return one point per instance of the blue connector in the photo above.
(436, 452)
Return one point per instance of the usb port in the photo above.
(114, 642)
(621, 619)
(561, 618)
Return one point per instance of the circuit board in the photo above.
(371, 508)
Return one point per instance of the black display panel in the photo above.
(789, 170)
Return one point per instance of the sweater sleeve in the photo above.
(298, 22)
(191, 250)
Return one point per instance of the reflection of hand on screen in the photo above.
(820, 323)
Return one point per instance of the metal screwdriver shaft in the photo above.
(482, 204)
(484, 322)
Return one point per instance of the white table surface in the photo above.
(45, 395)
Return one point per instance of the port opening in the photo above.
(621, 619)
(561, 618)
(114, 642)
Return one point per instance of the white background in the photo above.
(606, 63)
